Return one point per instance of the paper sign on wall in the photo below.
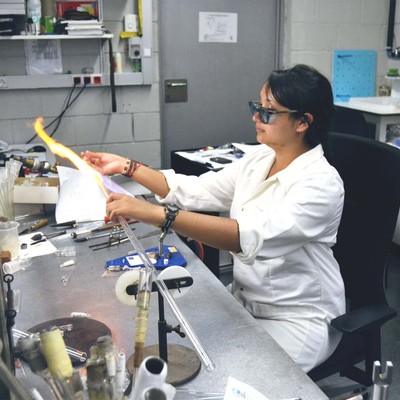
(218, 27)
(43, 57)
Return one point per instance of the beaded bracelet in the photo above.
(130, 167)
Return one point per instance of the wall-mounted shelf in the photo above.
(55, 37)
(67, 80)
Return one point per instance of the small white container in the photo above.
(9, 238)
(118, 63)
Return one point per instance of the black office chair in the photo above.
(371, 174)
(352, 122)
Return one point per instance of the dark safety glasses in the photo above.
(266, 113)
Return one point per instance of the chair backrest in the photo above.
(371, 174)
(353, 122)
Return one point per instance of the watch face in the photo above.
(172, 208)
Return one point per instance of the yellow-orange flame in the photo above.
(65, 152)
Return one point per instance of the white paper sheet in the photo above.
(237, 390)
(43, 57)
(217, 27)
(38, 249)
(80, 199)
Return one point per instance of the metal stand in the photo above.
(183, 362)
(10, 314)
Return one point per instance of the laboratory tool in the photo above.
(43, 167)
(78, 355)
(35, 226)
(145, 280)
(152, 373)
(382, 380)
(8, 175)
(9, 238)
(184, 364)
(40, 236)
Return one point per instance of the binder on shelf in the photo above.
(12, 24)
(84, 28)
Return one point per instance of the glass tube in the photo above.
(162, 287)
(80, 355)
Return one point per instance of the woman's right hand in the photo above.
(105, 163)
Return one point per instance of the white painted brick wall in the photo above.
(314, 28)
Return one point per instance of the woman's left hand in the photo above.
(121, 205)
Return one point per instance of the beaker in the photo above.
(9, 238)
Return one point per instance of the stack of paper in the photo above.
(84, 28)
(12, 7)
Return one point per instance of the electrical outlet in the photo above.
(96, 80)
(86, 79)
(77, 80)
(135, 51)
(3, 82)
(135, 48)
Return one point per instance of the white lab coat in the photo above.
(286, 275)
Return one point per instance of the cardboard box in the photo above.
(35, 194)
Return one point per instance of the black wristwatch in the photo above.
(171, 211)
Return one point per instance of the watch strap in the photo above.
(171, 211)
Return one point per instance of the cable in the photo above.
(59, 117)
(69, 104)
(112, 77)
(390, 31)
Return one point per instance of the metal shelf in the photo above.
(65, 80)
(56, 37)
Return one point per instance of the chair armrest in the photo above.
(364, 318)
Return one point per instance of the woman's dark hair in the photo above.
(304, 89)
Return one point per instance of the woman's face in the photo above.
(281, 129)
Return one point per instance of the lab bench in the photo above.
(235, 342)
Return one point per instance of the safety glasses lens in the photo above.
(264, 114)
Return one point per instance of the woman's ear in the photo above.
(307, 118)
(304, 122)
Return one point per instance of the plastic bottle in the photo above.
(118, 63)
(34, 13)
(48, 19)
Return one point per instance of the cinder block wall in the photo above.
(314, 28)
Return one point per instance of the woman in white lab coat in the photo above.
(285, 203)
